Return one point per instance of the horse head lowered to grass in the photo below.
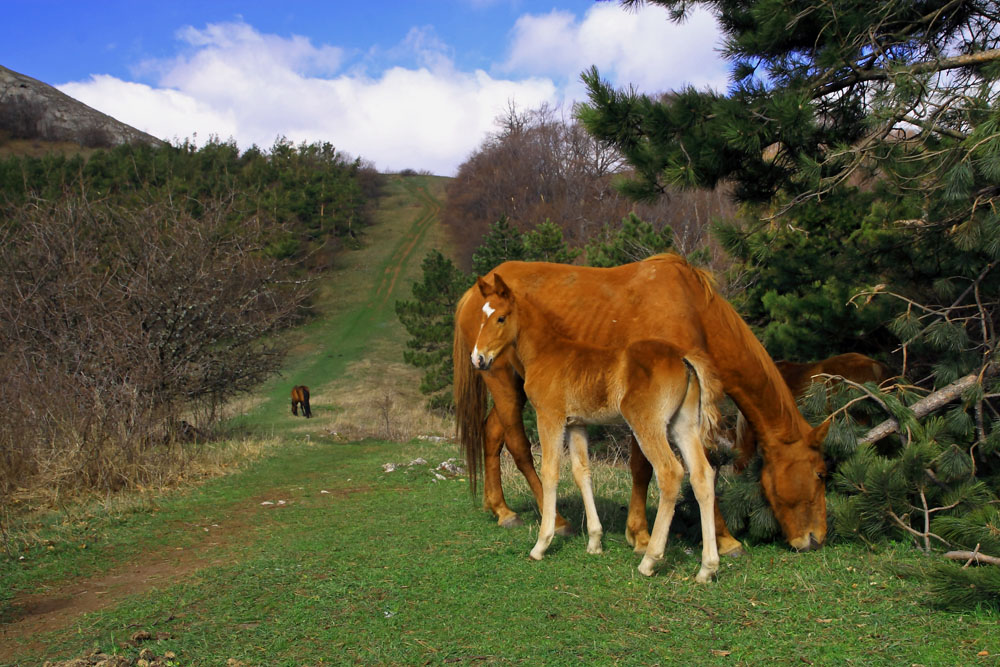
(661, 298)
(648, 383)
(300, 399)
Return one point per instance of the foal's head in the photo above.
(498, 326)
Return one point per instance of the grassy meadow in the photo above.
(311, 552)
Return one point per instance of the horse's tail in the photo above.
(710, 392)
(470, 400)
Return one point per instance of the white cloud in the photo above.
(232, 81)
(239, 83)
(164, 113)
(641, 48)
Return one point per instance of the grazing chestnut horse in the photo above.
(850, 366)
(648, 383)
(300, 397)
(661, 298)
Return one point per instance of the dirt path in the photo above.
(59, 606)
(399, 258)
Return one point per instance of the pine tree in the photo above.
(502, 243)
(864, 140)
(631, 241)
(430, 320)
(545, 243)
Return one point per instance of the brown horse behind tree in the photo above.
(661, 298)
(648, 383)
(798, 376)
(300, 398)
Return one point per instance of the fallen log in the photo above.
(973, 557)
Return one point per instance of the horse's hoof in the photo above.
(566, 530)
(638, 542)
(731, 548)
(705, 576)
(647, 567)
(535, 556)
(512, 521)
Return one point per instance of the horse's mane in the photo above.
(728, 320)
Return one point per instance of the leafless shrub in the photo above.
(21, 119)
(113, 323)
(539, 166)
(383, 405)
(95, 136)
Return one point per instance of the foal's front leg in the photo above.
(552, 432)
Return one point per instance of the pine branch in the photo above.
(916, 533)
(939, 65)
(932, 402)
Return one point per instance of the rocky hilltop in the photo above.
(30, 109)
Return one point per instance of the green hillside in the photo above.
(351, 355)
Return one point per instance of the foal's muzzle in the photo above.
(482, 363)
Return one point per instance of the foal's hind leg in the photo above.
(637, 527)
(581, 473)
(687, 436)
(669, 474)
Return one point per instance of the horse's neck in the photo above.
(750, 377)
(797, 376)
(537, 335)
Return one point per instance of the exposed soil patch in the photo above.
(59, 607)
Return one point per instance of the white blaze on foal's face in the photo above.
(488, 311)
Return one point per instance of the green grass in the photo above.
(398, 568)
(363, 566)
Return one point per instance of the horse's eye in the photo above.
(500, 320)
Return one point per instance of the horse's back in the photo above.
(659, 298)
(855, 367)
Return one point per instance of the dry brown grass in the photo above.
(378, 399)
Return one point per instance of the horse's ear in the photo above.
(500, 287)
(484, 287)
(818, 434)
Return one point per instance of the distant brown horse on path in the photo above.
(648, 383)
(661, 298)
(300, 398)
(849, 366)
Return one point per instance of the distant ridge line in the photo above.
(31, 109)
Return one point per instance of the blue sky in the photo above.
(406, 84)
